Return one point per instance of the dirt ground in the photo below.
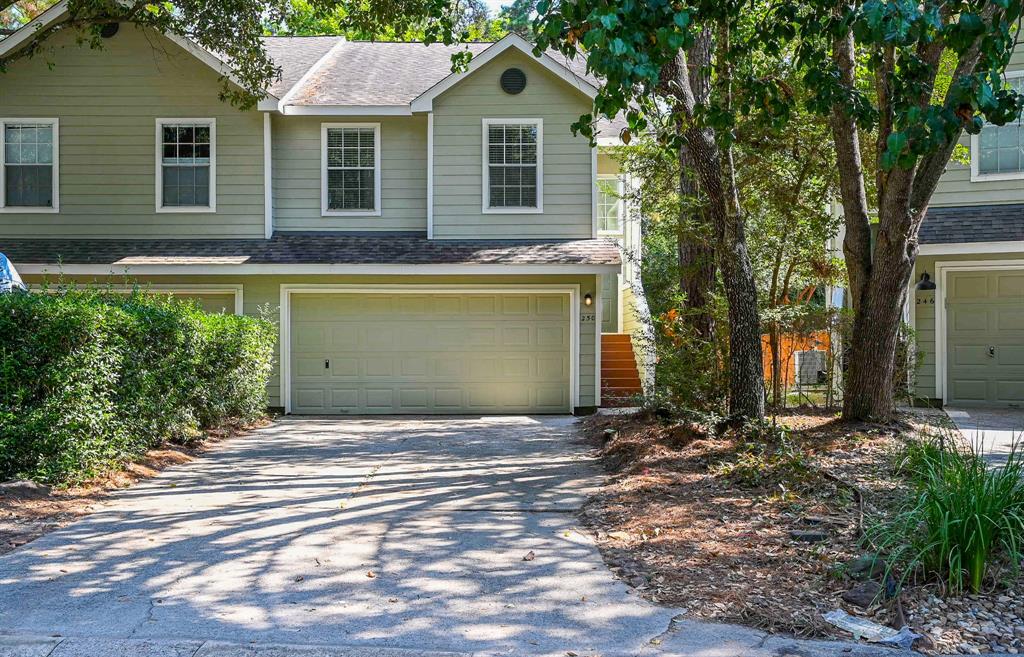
(24, 518)
(714, 525)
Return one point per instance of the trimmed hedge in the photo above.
(90, 380)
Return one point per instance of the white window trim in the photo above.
(976, 174)
(485, 182)
(4, 208)
(324, 211)
(185, 209)
(620, 183)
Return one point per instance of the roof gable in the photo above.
(575, 78)
(58, 13)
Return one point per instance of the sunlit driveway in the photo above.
(406, 533)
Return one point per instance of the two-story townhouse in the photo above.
(428, 241)
(966, 301)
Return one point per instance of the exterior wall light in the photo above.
(588, 300)
(926, 282)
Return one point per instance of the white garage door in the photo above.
(430, 353)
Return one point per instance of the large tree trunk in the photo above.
(880, 273)
(696, 254)
(715, 171)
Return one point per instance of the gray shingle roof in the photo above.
(379, 73)
(973, 223)
(295, 56)
(312, 248)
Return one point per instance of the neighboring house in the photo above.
(429, 241)
(970, 327)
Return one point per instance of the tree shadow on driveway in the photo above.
(411, 532)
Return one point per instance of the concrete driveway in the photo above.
(994, 429)
(351, 537)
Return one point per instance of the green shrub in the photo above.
(89, 380)
(964, 520)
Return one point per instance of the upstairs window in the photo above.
(609, 205)
(186, 171)
(513, 159)
(351, 169)
(998, 152)
(28, 177)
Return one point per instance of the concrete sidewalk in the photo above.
(994, 429)
(688, 640)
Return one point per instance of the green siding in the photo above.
(107, 102)
(924, 305)
(955, 186)
(263, 292)
(297, 175)
(458, 155)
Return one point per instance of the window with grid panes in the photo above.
(512, 168)
(28, 161)
(186, 164)
(351, 169)
(1001, 147)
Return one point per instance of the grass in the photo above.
(965, 520)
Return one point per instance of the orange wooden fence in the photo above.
(788, 346)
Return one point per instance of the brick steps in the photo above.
(620, 380)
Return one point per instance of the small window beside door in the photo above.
(186, 165)
(28, 177)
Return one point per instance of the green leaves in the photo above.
(90, 380)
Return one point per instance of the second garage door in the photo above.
(985, 337)
(430, 353)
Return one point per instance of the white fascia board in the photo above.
(142, 269)
(425, 101)
(967, 248)
(22, 35)
(346, 110)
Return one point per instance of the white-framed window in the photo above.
(513, 158)
(998, 152)
(350, 169)
(29, 165)
(186, 165)
(609, 204)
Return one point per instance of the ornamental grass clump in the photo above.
(964, 523)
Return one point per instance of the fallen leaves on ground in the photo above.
(683, 534)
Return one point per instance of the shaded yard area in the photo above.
(761, 531)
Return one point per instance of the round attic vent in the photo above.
(513, 81)
(108, 30)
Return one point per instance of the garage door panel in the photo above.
(345, 398)
(1010, 285)
(310, 398)
(970, 286)
(970, 354)
(344, 367)
(412, 353)
(1010, 392)
(515, 304)
(1010, 319)
(1010, 355)
(970, 320)
(551, 305)
(985, 338)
